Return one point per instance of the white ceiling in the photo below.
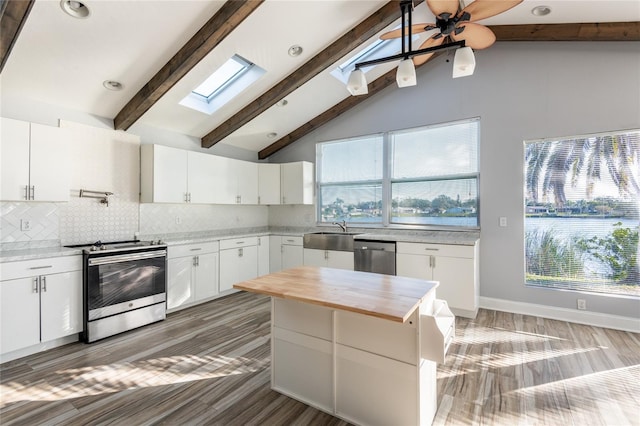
(63, 61)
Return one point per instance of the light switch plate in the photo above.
(503, 222)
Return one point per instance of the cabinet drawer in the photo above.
(238, 242)
(192, 249)
(291, 241)
(448, 250)
(31, 268)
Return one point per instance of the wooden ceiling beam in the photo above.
(13, 15)
(614, 31)
(368, 28)
(607, 31)
(225, 20)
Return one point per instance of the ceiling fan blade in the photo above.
(415, 29)
(476, 36)
(430, 42)
(439, 7)
(483, 9)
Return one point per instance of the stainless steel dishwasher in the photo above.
(375, 256)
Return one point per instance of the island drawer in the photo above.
(387, 338)
(303, 318)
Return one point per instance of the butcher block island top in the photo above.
(383, 296)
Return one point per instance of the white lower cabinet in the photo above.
(454, 266)
(238, 261)
(285, 252)
(40, 301)
(192, 272)
(329, 258)
(264, 255)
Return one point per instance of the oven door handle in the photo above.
(126, 257)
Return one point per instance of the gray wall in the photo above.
(521, 91)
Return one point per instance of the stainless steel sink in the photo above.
(339, 241)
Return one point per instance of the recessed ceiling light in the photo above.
(541, 10)
(272, 135)
(295, 50)
(75, 8)
(282, 103)
(112, 85)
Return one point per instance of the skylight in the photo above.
(228, 81)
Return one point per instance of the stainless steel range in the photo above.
(125, 285)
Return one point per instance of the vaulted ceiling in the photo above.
(160, 50)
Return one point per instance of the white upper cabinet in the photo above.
(224, 183)
(201, 175)
(246, 174)
(297, 182)
(35, 162)
(268, 183)
(163, 174)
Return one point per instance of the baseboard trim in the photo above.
(581, 317)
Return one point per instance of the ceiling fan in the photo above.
(456, 24)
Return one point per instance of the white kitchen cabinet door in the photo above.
(247, 176)
(237, 265)
(292, 256)
(49, 163)
(201, 175)
(340, 259)
(14, 159)
(268, 183)
(19, 314)
(206, 276)
(225, 181)
(275, 253)
(264, 257)
(164, 172)
(414, 266)
(456, 277)
(297, 182)
(315, 257)
(61, 305)
(179, 281)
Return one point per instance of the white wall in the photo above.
(520, 91)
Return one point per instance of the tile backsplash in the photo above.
(43, 219)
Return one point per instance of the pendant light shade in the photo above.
(357, 84)
(406, 74)
(464, 62)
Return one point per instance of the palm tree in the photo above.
(619, 154)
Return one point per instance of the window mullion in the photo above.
(386, 179)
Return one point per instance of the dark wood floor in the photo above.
(211, 365)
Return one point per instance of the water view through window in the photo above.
(582, 213)
(424, 176)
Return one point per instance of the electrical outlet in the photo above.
(503, 222)
(178, 220)
(25, 225)
(582, 304)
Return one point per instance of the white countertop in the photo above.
(434, 237)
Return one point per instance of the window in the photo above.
(582, 213)
(234, 76)
(420, 177)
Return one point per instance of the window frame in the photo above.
(387, 181)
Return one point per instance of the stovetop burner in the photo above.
(100, 246)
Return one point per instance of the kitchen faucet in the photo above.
(342, 225)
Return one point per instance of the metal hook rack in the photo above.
(103, 196)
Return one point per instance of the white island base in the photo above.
(363, 369)
(357, 345)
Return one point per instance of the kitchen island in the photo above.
(358, 345)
